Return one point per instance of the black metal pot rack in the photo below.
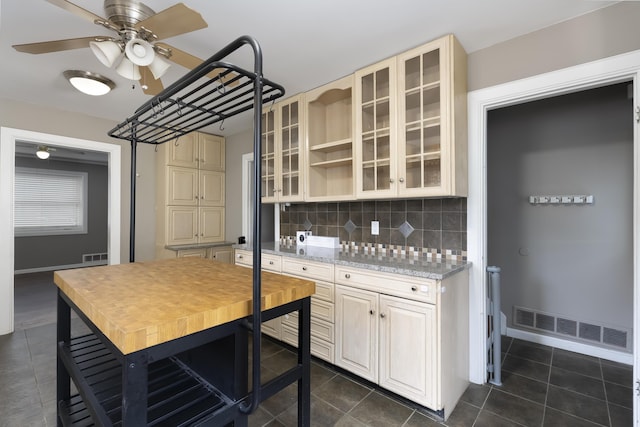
(209, 94)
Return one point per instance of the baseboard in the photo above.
(590, 350)
(59, 267)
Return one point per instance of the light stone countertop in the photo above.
(429, 268)
(197, 246)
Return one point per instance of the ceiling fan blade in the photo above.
(58, 45)
(149, 84)
(177, 19)
(76, 10)
(190, 62)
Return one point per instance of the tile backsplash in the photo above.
(421, 225)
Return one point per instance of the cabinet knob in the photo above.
(401, 179)
(270, 262)
(382, 315)
(275, 190)
(414, 288)
(391, 180)
(304, 268)
(240, 257)
(347, 276)
(371, 312)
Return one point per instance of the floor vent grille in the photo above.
(615, 337)
(95, 259)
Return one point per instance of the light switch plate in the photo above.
(375, 228)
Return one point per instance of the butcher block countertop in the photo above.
(143, 304)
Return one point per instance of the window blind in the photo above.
(50, 202)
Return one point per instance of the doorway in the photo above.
(560, 218)
(9, 137)
(620, 68)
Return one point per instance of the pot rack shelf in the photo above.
(211, 93)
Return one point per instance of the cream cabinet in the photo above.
(406, 334)
(375, 90)
(190, 194)
(269, 262)
(282, 151)
(330, 147)
(221, 253)
(322, 307)
(432, 112)
(411, 124)
(197, 150)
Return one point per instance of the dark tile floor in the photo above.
(542, 386)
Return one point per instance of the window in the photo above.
(50, 202)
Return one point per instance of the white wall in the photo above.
(59, 122)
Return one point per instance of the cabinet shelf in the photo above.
(176, 395)
(333, 163)
(427, 86)
(425, 123)
(328, 147)
(418, 158)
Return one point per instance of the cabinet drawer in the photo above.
(271, 262)
(325, 291)
(268, 261)
(311, 269)
(391, 284)
(319, 328)
(244, 257)
(319, 348)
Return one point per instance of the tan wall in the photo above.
(58, 122)
(600, 34)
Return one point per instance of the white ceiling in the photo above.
(306, 43)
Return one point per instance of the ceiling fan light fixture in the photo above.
(139, 51)
(128, 70)
(89, 83)
(43, 152)
(158, 67)
(106, 51)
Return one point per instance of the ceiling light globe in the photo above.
(42, 153)
(140, 52)
(89, 83)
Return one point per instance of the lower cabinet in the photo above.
(409, 335)
(387, 340)
(219, 253)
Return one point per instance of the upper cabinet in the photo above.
(432, 120)
(197, 151)
(411, 124)
(329, 113)
(376, 130)
(282, 151)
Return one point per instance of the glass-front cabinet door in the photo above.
(375, 123)
(282, 123)
(268, 147)
(427, 113)
(290, 158)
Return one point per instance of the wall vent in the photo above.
(588, 332)
(95, 259)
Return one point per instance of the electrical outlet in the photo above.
(375, 228)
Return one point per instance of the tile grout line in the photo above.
(606, 397)
(546, 395)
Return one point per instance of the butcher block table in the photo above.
(169, 342)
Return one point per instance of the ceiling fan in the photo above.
(135, 51)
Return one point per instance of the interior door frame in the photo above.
(619, 68)
(8, 139)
